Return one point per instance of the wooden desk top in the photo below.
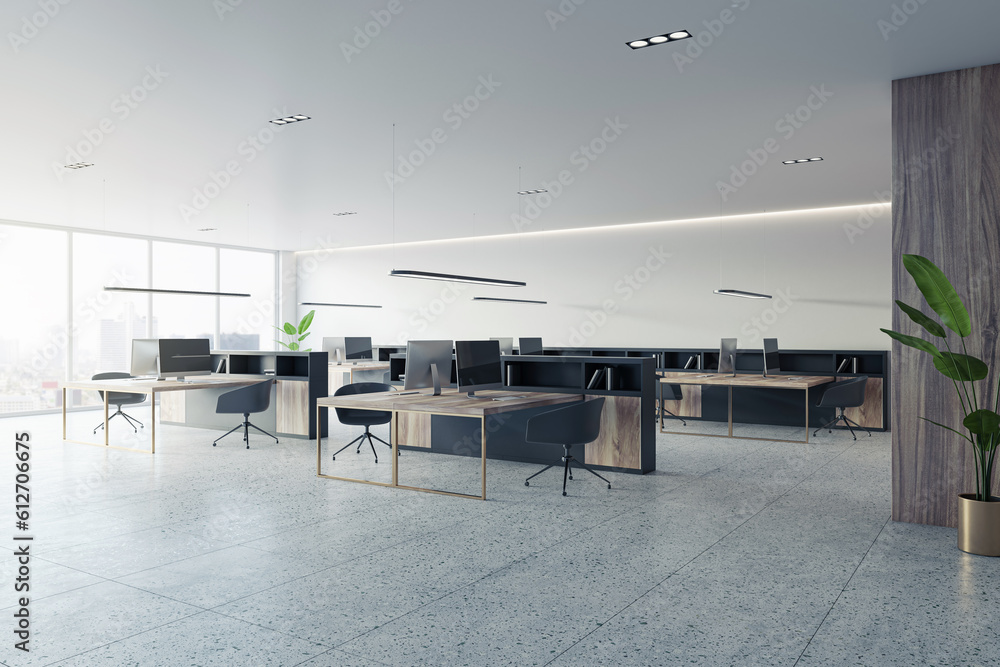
(745, 380)
(145, 386)
(449, 402)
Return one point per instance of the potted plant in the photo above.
(979, 513)
(296, 334)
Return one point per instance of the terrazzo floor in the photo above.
(732, 553)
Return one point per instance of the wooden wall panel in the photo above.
(946, 207)
(172, 406)
(869, 414)
(618, 445)
(689, 405)
(413, 429)
(292, 408)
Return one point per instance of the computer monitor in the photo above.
(358, 347)
(771, 365)
(145, 352)
(530, 346)
(727, 356)
(336, 347)
(428, 364)
(506, 345)
(180, 357)
(478, 366)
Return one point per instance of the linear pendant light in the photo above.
(742, 293)
(150, 290)
(451, 277)
(502, 300)
(339, 305)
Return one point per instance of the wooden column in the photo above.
(946, 207)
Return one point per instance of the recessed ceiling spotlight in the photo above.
(289, 119)
(659, 39)
(346, 213)
(79, 165)
(531, 192)
(802, 161)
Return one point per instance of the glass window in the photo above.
(33, 342)
(247, 324)
(181, 266)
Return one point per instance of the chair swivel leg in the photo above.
(827, 425)
(251, 425)
(537, 474)
(227, 433)
(133, 421)
(584, 466)
(851, 421)
(357, 439)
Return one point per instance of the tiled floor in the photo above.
(732, 553)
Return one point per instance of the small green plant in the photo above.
(982, 424)
(296, 334)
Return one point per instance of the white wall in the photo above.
(648, 285)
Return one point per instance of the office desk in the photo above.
(803, 382)
(451, 403)
(134, 386)
(341, 374)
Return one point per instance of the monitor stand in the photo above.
(436, 379)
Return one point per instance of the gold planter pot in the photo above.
(978, 525)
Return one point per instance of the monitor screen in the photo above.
(530, 346)
(420, 356)
(727, 356)
(506, 345)
(771, 365)
(144, 357)
(184, 356)
(336, 348)
(358, 347)
(477, 364)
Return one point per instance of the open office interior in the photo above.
(614, 179)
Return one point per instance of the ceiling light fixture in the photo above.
(531, 192)
(150, 290)
(453, 278)
(803, 160)
(339, 305)
(498, 299)
(79, 165)
(742, 294)
(289, 119)
(674, 36)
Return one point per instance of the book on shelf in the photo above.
(843, 365)
(609, 379)
(595, 379)
(692, 362)
(221, 368)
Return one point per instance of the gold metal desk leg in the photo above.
(64, 412)
(394, 439)
(807, 415)
(106, 418)
(152, 422)
(730, 411)
(319, 437)
(482, 451)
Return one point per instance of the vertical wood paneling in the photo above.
(946, 207)
(869, 414)
(292, 408)
(619, 443)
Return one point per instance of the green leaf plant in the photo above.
(296, 334)
(981, 425)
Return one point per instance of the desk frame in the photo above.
(534, 400)
(750, 381)
(150, 388)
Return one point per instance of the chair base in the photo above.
(672, 415)
(246, 426)
(847, 422)
(361, 440)
(131, 420)
(567, 471)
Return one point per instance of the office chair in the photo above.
(118, 399)
(671, 392)
(366, 418)
(840, 395)
(245, 400)
(576, 424)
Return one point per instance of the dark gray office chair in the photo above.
(245, 400)
(840, 395)
(576, 424)
(671, 392)
(366, 418)
(119, 398)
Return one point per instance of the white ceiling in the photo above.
(227, 67)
